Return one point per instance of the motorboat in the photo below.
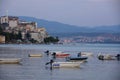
(106, 57)
(10, 60)
(65, 64)
(35, 55)
(62, 55)
(86, 54)
(59, 54)
(76, 58)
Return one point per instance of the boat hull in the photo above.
(35, 55)
(62, 55)
(86, 54)
(106, 57)
(77, 58)
(9, 60)
(65, 64)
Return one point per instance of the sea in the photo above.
(34, 68)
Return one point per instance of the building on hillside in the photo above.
(39, 34)
(12, 21)
(28, 30)
(35, 36)
(43, 33)
(2, 39)
(4, 19)
(28, 26)
(23, 35)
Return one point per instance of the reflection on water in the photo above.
(35, 69)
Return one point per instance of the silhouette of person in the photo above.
(47, 52)
(118, 56)
(79, 54)
(54, 55)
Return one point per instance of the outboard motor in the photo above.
(101, 57)
(118, 56)
(54, 55)
(67, 58)
(47, 52)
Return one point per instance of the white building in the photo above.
(4, 19)
(39, 35)
(23, 35)
(10, 20)
(35, 36)
(28, 26)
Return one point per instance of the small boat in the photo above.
(35, 55)
(60, 54)
(10, 60)
(106, 57)
(76, 58)
(86, 54)
(65, 64)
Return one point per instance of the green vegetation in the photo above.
(33, 41)
(1, 30)
(10, 37)
(51, 40)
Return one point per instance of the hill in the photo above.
(57, 27)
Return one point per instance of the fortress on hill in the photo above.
(13, 24)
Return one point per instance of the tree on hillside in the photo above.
(19, 35)
(1, 30)
(28, 36)
(51, 40)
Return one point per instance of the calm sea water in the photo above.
(35, 69)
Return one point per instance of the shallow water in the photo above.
(35, 68)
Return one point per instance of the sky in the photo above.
(90, 13)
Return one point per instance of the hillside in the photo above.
(56, 27)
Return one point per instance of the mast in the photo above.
(7, 16)
(6, 13)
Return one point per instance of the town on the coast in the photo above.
(14, 30)
(18, 31)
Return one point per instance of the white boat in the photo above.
(65, 64)
(86, 54)
(10, 60)
(106, 57)
(35, 55)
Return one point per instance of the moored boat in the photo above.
(10, 60)
(76, 58)
(106, 57)
(86, 54)
(65, 64)
(62, 55)
(35, 55)
(59, 54)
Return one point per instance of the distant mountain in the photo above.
(56, 27)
